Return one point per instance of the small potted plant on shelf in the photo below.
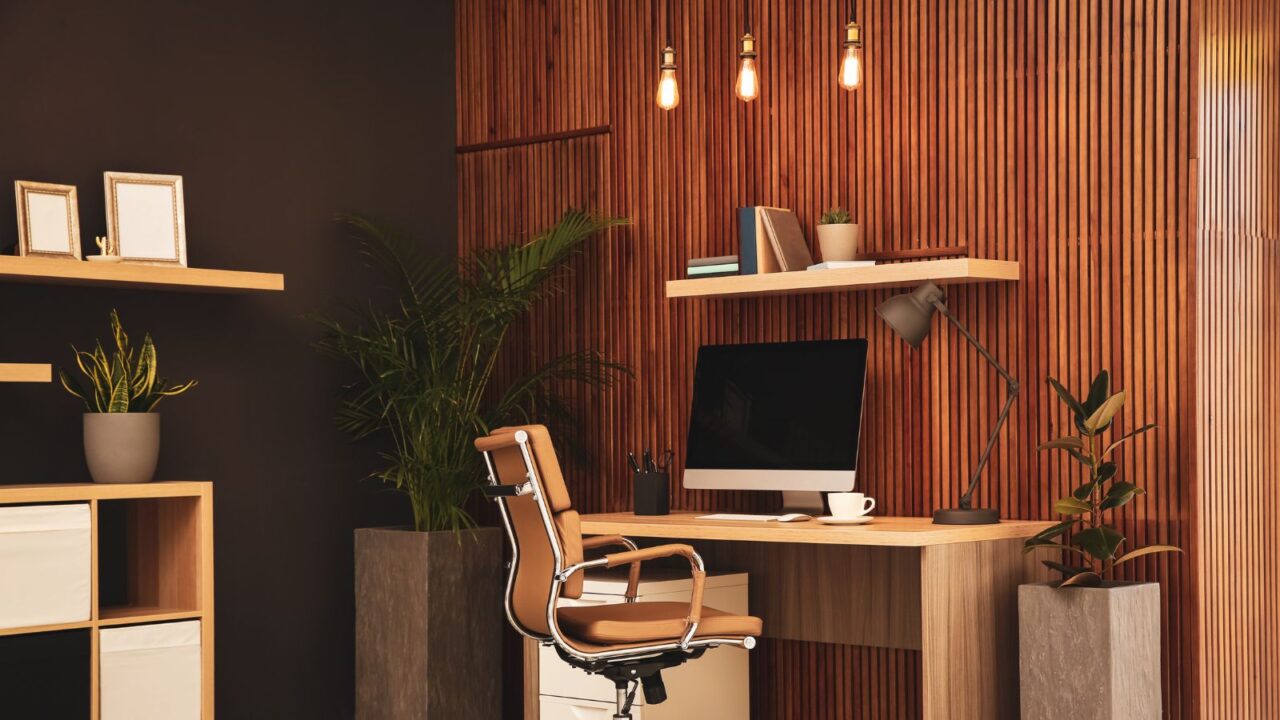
(120, 393)
(837, 236)
(1090, 630)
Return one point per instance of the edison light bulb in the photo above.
(668, 91)
(851, 58)
(748, 85)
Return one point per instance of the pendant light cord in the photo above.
(746, 17)
(670, 25)
(853, 10)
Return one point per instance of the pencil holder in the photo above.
(653, 493)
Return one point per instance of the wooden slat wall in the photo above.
(1059, 133)
(1238, 272)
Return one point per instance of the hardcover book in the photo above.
(787, 239)
(755, 254)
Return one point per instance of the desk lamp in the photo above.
(911, 316)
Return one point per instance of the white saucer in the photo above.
(829, 520)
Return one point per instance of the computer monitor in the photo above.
(777, 416)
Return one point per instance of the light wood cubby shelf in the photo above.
(950, 271)
(53, 271)
(151, 561)
(26, 372)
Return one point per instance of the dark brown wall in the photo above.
(278, 115)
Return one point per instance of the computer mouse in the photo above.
(794, 517)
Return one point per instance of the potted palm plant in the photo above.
(425, 384)
(120, 393)
(1090, 644)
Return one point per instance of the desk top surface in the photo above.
(882, 531)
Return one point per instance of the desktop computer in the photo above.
(777, 416)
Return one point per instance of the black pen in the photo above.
(631, 458)
(648, 461)
(667, 457)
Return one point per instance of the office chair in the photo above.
(629, 643)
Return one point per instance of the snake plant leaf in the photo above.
(74, 387)
(1100, 542)
(1120, 494)
(1071, 506)
(1099, 391)
(1129, 436)
(1084, 579)
(1068, 398)
(119, 387)
(1101, 418)
(1069, 442)
(1148, 550)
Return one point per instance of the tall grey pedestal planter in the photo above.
(429, 624)
(1089, 652)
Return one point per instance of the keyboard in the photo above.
(789, 517)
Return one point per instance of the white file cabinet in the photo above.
(716, 686)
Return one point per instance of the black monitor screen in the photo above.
(778, 406)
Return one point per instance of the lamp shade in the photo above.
(911, 314)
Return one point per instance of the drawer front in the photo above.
(45, 565)
(558, 708)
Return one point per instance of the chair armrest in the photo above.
(493, 443)
(697, 569)
(633, 578)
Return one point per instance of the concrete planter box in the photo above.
(429, 624)
(1089, 652)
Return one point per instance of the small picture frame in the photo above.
(146, 218)
(48, 220)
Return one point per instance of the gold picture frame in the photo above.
(48, 220)
(146, 218)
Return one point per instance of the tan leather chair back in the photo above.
(535, 547)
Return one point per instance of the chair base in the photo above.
(629, 674)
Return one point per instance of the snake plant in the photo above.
(124, 382)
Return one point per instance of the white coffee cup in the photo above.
(850, 504)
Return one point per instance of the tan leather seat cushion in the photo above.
(648, 621)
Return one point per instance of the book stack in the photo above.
(770, 240)
(713, 266)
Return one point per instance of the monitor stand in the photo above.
(808, 502)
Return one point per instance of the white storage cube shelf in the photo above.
(150, 672)
(45, 565)
(716, 686)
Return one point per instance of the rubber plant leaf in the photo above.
(1070, 442)
(1120, 494)
(1084, 579)
(1068, 398)
(1129, 436)
(1100, 542)
(1071, 506)
(1099, 391)
(1068, 570)
(1148, 550)
(1101, 417)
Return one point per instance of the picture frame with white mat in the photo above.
(146, 218)
(48, 220)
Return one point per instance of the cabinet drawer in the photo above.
(558, 708)
(44, 563)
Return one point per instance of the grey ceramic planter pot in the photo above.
(429, 623)
(122, 447)
(1089, 652)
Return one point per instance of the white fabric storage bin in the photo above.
(44, 565)
(150, 672)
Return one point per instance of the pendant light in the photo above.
(851, 55)
(668, 95)
(747, 88)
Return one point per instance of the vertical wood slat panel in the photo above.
(1238, 341)
(1056, 133)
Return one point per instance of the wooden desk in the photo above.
(949, 592)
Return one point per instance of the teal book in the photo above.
(755, 252)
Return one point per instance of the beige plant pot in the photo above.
(122, 447)
(838, 242)
(1089, 652)
(429, 624)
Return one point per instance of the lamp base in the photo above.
(966, 516)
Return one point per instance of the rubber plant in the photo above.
(425, 369)
(1094, 549)
(125, 381)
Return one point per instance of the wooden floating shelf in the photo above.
(52, 271)
(26, 372)
(951, 271)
